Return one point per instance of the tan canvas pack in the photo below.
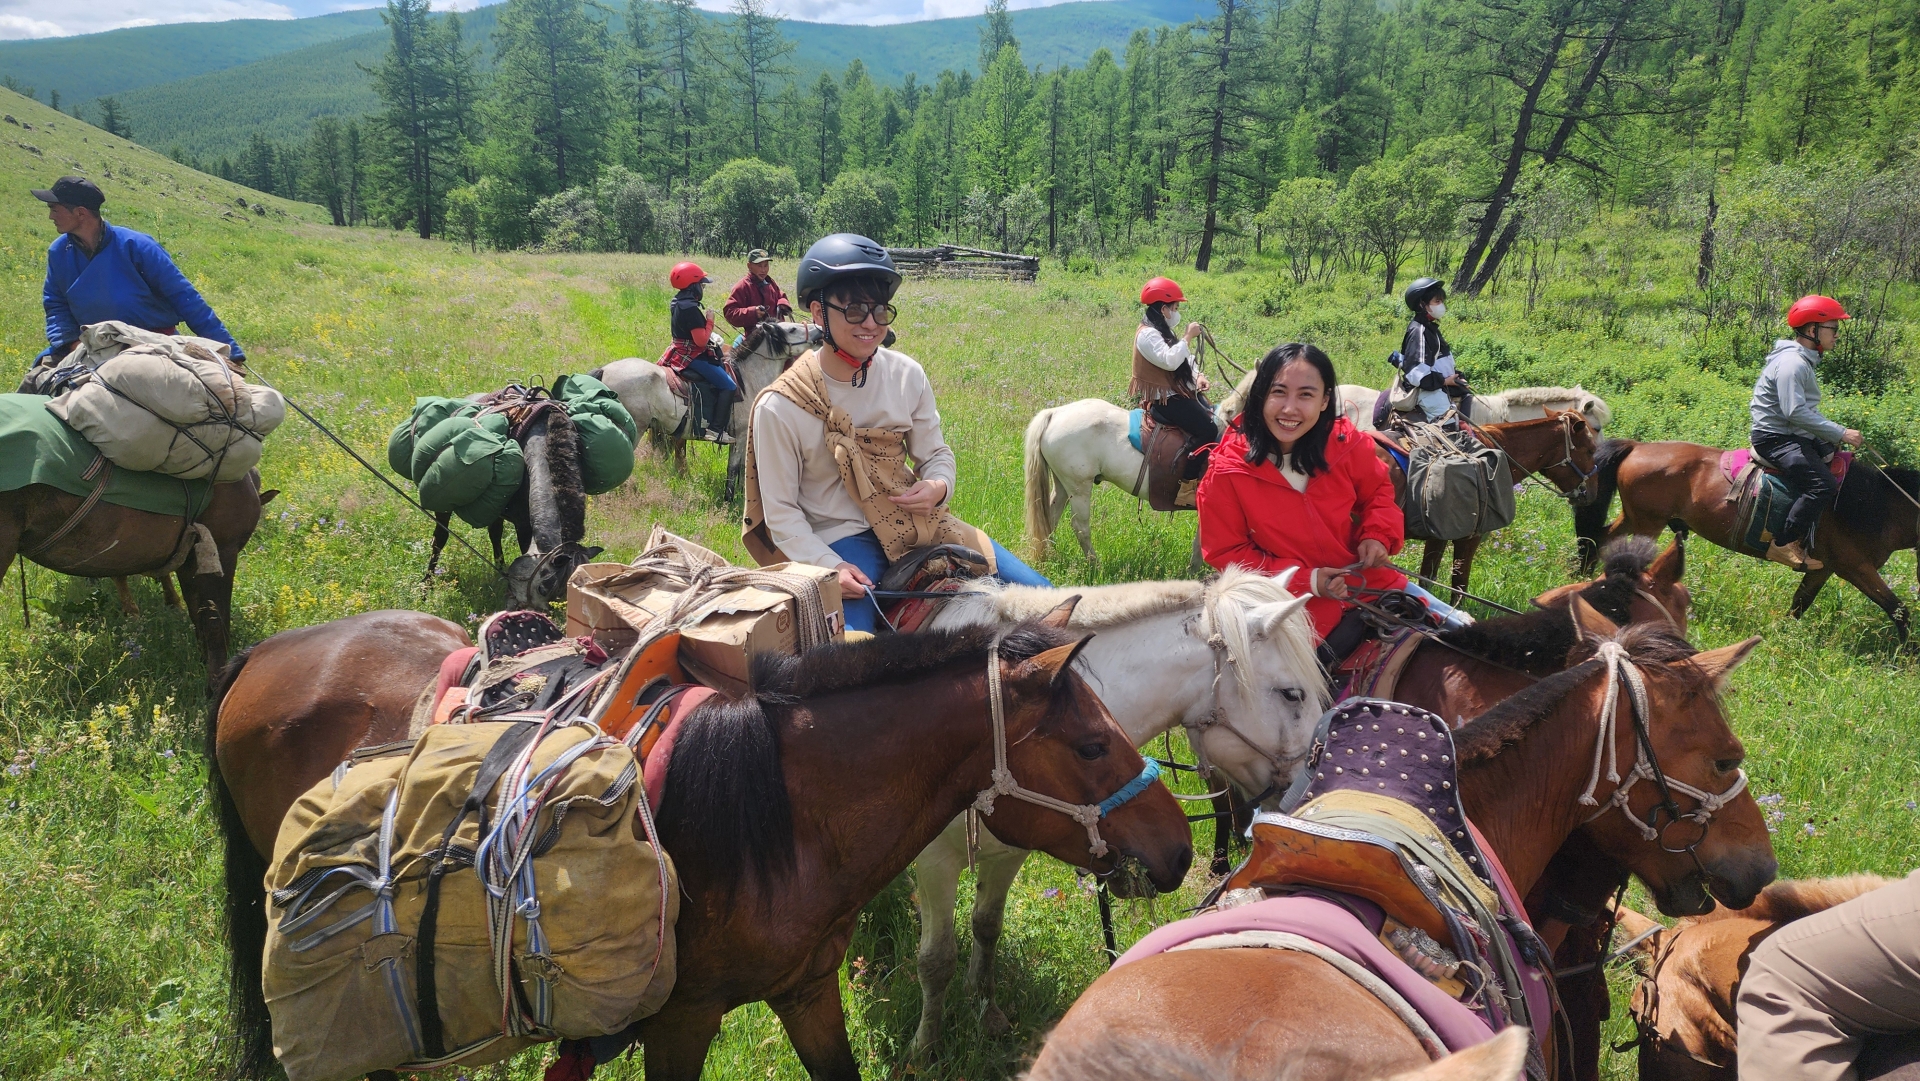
(1456, 486)
(167, 404)
(381, 956)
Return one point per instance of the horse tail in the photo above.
(1590, 521)
(1039, 495)
(598, 372)
(251, 1053)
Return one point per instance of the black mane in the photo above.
(726, 815)
(1866, 499)
(1538, 642)
(1502, 726)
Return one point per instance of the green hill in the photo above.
(95, 65)
(212, 111)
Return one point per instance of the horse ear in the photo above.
(266, 497)
(1052, 665)
(1718, 664)
(1267, 619)
(1552, 597)
(1635, 925)
(1671, 566)
(1061, 615)
(1590, 622)
(1502, 1058)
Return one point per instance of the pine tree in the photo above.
(326, 167)
(1218, 113)
(996, 33)
(754, 47)
(551, 95)
(999, 149)
(823, 109)
(420, 127)
(684, 49)
(112, 120)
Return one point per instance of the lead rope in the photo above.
(1086, 814)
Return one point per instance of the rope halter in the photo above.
(1087, 814)
(1622, 672)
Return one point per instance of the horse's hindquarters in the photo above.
(1242, 1014)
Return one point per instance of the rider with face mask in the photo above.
(696, 351)
(1166, 380)
(1428, 382)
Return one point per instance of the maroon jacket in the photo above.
(751, 294)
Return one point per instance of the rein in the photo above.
(1087, 814)
(1566, 459)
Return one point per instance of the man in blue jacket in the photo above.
(97, 272)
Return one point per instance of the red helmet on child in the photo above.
(1161, 291)
(685, 274)
(1815, 309)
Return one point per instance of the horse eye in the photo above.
(1727, 765)
(1291, 694)
(1093, 751)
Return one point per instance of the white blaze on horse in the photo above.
(1356, 403)
(643, 387)
(1230, 660)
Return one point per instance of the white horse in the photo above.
(642, 387)
(1069, 449)
(1521, 403)
(1231, 660)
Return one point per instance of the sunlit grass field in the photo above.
(110, 955)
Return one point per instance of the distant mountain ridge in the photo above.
(206, 87)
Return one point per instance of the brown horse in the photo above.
(1684, 1007)
(785, 813)
(1681, 485)
(112, 541)
(1523, 766)
(1558, 447)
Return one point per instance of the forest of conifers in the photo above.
(1352, 132)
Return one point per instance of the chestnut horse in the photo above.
(785, 813)
(112, 541)
(1524, 765)
(1557, 448)
(1681, 485)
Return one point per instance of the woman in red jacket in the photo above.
(1294, 485)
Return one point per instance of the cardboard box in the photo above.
(612, 601)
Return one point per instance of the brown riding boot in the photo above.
(1794, 555)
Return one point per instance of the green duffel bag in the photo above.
(432, 440)
(427, 413)
(585, 393)
(606, 454)
(476, 470)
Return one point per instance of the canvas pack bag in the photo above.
(173, 404)
(385, 949)
(1456, 486)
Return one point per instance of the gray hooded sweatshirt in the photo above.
(1786, 399)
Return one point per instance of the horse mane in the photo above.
(1100, 607)
(754, 340)
(1537, 642)
(1790, 899)
(1583, 398)
(1230, 596)
(1865, 503)
(566, 518)
(1502, 726)
(727, 816)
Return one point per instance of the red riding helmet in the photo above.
(1161, 291)
(1815, 309)
(685, 274)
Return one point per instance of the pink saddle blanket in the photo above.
(1339, 929)
(1732, 462)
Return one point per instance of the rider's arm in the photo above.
(62, 328)
(1416, 359)
(777, 461)
(1380, 516)
(1226, 537)
(165, 279)
(740, 306)
(1158, 352)
(926, 443)
(1798, 388)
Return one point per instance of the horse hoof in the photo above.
(926, 1043)
(993, 1022)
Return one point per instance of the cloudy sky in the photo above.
(59, 18)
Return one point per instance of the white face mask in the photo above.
(1438, 309)
(1173, 316)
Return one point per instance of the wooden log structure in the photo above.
(954, 261)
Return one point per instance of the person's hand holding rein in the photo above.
(923, 498)
(1330, 582)
(1372, 554)
(1852, 437)
(853, 581)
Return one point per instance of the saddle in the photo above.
(694, 393)
(1164, 466)
(1377, 815)
(1762, 495)
(936, 568)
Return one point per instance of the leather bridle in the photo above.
(1566, 460)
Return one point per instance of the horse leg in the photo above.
(1463, 553)
(128, 606)
(1081, 502)
(680, 456)
(168, 595)
(936, 880)
(496, 531)
(1810, 584)
(209, 599)
(1196, 563)
(1430, 559)
(677, 1038)
(1867, 580)
(993, 879)
(440, 535)
(816, 1025)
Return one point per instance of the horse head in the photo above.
(537, 579)
(1062, 744)
(1690, 829)
(1268, 692)
(778, 340)
(1573, 469)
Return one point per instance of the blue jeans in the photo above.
(1451, 618)
(863, 550)
(720, 405)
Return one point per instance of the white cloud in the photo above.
(880, 12)
(14, 27)
(36, 18)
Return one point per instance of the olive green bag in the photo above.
(385, 950)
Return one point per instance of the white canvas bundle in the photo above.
(167, 404)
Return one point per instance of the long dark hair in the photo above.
(1156, 318)
(1310, 450)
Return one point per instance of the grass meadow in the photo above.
(110, 954)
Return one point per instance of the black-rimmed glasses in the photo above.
(858, 311)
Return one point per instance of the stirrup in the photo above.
(1793, 555)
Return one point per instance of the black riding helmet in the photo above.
(1422, 291)
(844, 255)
